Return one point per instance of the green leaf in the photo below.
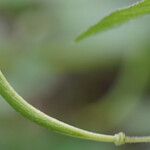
(117, 18)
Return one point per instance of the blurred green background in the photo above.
(101, 84)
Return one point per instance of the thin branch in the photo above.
(35, 115)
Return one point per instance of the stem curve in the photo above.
(35, 115)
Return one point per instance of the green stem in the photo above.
(144, 139)
(35, 115)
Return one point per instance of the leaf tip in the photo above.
(80, 38)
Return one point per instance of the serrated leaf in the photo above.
(117, 18)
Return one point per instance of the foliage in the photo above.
(117, 18)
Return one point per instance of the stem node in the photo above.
(120, 139)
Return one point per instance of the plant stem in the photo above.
(144, 139)
(35, 115)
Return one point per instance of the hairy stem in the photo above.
(35, 115)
